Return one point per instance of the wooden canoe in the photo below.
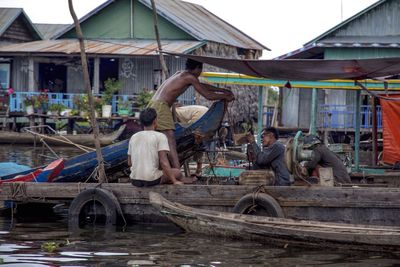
(7, 137)
(278, 230)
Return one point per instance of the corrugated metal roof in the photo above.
(9, 15)
(346, 22)
(202, 24)
(100, 47)
(49, 30)
(193, 19)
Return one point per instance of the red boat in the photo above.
(39, 175)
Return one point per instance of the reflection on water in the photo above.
(34, 156)
(159, 245)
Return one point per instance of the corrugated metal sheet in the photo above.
(100, 47)
(7, 16)
(49, 30)
(202, 24)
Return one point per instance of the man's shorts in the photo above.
(142, 183)
(165, 121)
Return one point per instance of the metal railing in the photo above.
(16, 100)
(343, 116)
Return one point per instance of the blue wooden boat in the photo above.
(188, 139)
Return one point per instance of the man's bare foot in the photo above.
(190, 180)
(177, 183)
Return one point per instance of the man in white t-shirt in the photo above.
(148, 154)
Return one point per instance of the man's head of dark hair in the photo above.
(147, 116)
(193, 64)
(272, 130)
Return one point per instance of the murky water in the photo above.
(160, 245)
(22, 242)
(34, 156)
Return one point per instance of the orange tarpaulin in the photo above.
(391, 129)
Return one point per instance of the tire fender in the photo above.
(264, 201)
(106, 198)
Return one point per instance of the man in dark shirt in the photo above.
(324, 157)
(271, 156)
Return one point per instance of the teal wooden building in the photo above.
(372, 33)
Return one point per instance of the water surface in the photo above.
(21, 241)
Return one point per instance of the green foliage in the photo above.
(50, 246)
(55, 107)
(273, 97)
(144, 98)
(81, 102)
(126, 105)
(111, 86)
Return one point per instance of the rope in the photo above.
(375, 94)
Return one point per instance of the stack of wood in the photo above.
(257, 177)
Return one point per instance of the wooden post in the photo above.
(357, 132)
(100, 160)
(374, 133)
(31, 75)
(164, 68)
(314, 109)
(260, 113)
(96, 75)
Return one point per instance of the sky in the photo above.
(280, 25)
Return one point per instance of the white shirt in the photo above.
(143, 150)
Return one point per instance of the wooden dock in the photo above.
(379, 206)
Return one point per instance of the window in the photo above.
(4, 75)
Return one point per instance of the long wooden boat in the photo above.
(7, 137)
(277, 230)
(80, 167)
(358, 205)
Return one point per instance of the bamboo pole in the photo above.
(164, 69)
(100, 160)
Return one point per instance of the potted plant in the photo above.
(55, 109)
(111, 86)
(81, 103)
(143, 99)
(43, 101)
(29, 103)
(124, 108)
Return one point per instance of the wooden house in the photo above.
(120, 43)
(372, 33)
(15, 27)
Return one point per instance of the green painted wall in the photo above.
(114, 22)
(360, 53)
(143, 26)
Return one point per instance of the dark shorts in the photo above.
(142, 183)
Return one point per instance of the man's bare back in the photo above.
(174, 86)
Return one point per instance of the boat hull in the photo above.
(277, 230)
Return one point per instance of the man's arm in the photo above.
(165, 165)
(266, 156)
(211, 92)
(315, 159)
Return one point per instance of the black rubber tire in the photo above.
(265, 205)
(100, 195)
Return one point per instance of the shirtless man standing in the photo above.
(171, 89)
